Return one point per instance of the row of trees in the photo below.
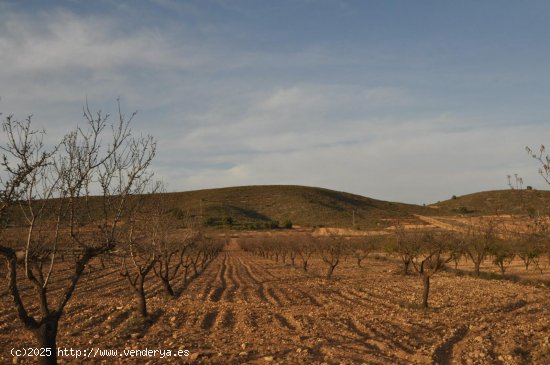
(88, 197)
(425, 252)
(331, 249)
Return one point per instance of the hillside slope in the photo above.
(304, 206)
(497, 202)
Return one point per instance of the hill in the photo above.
(497, 202)
(261, 206)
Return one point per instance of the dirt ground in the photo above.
(248, 310)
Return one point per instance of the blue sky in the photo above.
(399, 100)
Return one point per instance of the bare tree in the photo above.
(173, 246)
(305, 250)
(429, 258)
(332, 250)
(140, 249)
(503, 252)
(363, 247)
(73, 221)
(478, 240)
(404, 247)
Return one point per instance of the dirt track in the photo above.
(245, 309)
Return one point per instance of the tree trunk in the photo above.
(168, 287)
(406, 265)
(358, 262)
(142, 303)
(476, 267)
(426, 282)
(304, 266)
(330, 270)
(186, 272)
(46, 334)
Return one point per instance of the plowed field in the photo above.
(246, 309)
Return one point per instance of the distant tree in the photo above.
(503, 254)
(332, 250)
(456, 249)
(361, 248)
(171, 244)
(228, 221)
(517, 184)
(404, 246)
(478, 240)
(306, 249)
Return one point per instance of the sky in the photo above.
(411, 101)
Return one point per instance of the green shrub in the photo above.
(211, 221)
(229, 221)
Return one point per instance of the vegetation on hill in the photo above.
(271, 206)
(529, 202)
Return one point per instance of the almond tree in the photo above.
(54, 190)
(478, 241)
(404, 246)
(430, 257)
(332, 250)
(503, 253)
(171, 244)
(363, 247)
(139, 249)
(306, 249)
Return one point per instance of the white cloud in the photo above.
(222, 119)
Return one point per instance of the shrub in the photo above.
(272, 224)
(464, 210)
(210, 221)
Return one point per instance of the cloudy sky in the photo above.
(408, 101)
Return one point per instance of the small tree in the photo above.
(429, 258)
(404, 246)
(171, 244)
(503, 254)
(142, 257)
(361, 248)
(478, 240)
(332, 250)
(306, 249)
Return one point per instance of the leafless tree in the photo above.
(172, 245)
(431, 256)
(306, 249)
(363, 247)
(503, 252)
(142, 261)
(332, 250)
(54, 190)
(478, 240)
(404, 246)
